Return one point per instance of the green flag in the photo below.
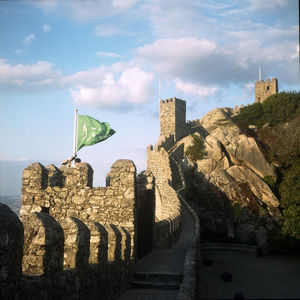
(91, 131)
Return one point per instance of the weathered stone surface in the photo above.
(249, 153)
(264, 89)
(257, 186)
(11, 244)
(172, 117)
(242, 150)
(43, 245)
(167, 203)
(75, 236)
(76, 245)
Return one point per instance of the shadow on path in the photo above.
(159, 274)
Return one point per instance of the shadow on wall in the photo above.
(61, 261)
(11, 248)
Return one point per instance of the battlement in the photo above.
(172, 117)
(37, 177)
(72, 237)
(171, 100)
(68, 192)
(264, 89)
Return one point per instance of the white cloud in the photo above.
(189, 88)
(192, 59)
(133, 86)
(203, 44)
(27, 77)
(267, 6)
(207, 62)
(46, 27)
(107, 54)
(28, 39)
(85, 11)
(176, 18)
(92, 77)
(122, 5)
(221, 43)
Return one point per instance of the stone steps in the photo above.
(162, 281)
(227, 247)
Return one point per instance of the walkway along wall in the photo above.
(72, 241)
(164, 162)
(167, 205)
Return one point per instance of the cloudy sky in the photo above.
(106, 58)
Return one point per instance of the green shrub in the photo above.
(270, 181)
(276, 109)
(196, 151)
(285, 146)
(249, 115)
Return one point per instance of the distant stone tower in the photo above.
(172, 117)
(264, 89)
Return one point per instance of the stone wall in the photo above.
(11, 250)
(77, 242)
(172, 117)
(68, 193)
(166, 142)
(264, 89)
(168, 205)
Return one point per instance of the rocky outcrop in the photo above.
(227, 185)
(241, 149)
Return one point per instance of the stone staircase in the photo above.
(216, 247)
(163, 281)
(159, 274)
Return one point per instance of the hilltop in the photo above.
(247, 187)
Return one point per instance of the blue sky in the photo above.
(106, 59)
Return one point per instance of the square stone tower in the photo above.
(172, 117)
(264, 89)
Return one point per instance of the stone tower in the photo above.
(264, 89)
(172, 117)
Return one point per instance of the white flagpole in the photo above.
(75, 131)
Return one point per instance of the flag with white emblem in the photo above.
(91, 131)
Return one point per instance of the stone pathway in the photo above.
(159, 274)
(267, 277)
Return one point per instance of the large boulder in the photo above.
(228, 183)
(249, 153)
(241, 150)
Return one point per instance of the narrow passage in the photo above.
(160, 271)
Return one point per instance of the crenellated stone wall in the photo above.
(264, 89)
(68, 193)
(72, 241)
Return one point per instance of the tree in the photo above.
(280, 141)
(276, 109)
(289, 190)
(196, 151)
